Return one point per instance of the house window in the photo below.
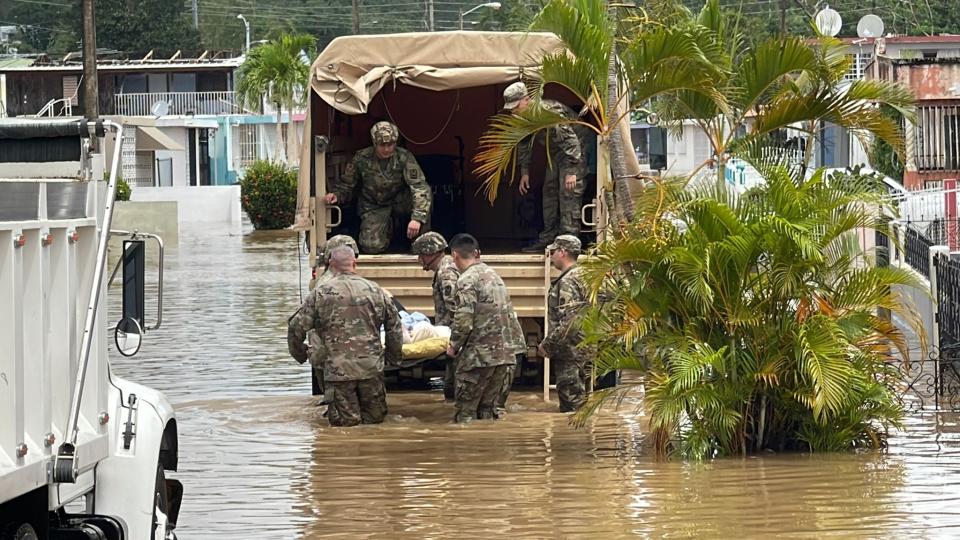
(134, 83)
(157, 83)
(937, 138)
(70, 83)
(858, 64)
(247, 142)
(184, 82)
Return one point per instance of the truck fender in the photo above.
(142, 436)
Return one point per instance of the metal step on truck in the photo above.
(83, 453)
(441, 89)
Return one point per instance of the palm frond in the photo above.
(498, 146)
(767, 65)
(821, 355)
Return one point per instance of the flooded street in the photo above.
(257, 459)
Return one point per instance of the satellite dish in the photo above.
(870, 26)
(828, 22)
(160, 108)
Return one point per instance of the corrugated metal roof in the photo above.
(15, 62)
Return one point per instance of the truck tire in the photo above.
(21, 531)
(161, 506)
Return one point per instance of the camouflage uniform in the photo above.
(518, 347)
(566, 301)
(444, 294)
(390, 190)
(481, 332)
(566, 143)
(347, 312)
(294, 337)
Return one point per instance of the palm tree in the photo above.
(276, 72)
(654, 60)
(753, 317)
(783, 83)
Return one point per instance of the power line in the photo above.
(42, 3)
(13, 23)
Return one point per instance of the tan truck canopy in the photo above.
(352, 70)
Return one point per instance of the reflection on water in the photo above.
(258, 460)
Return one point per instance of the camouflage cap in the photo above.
(566, 242)
(337, 241)
(513, 95)
(384, 133)
(428, 244)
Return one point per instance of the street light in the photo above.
(491, 5)
(247, 26)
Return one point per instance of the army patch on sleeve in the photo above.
(413, 172)
(348, 170)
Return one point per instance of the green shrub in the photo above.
(123, 190)
(268, 194)
(753, 318)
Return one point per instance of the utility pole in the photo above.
(356, 16)
(783, 17)
(196, 16)
(430, 24)
(91, 94)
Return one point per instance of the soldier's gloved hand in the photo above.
(524, 184)
(569, 182)
(413, 229)
(331, 198)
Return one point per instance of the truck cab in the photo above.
(441, 89)
(83, 453)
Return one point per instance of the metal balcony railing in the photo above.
(177, 103)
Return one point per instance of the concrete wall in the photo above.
(181, 162)
(198, 204)
(932, 81)
(156, 217)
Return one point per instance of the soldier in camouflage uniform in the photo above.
(429, 249)
(392, 187)
(563, 184)
(566, 301)
(347, 312)
(294, 337)
(481, 333)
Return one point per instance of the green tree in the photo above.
(655, 60)
(278, 72)
(45, 30)
(139, 26)
(777, 85)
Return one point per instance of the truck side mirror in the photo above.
(128, 335)
(129, 331)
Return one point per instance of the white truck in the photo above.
(83, 453)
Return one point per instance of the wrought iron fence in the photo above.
(948, 301)
(916, 249)
(928, 383)
(931, 382)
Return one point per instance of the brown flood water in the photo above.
(257, 459)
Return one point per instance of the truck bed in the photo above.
(527, 277)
